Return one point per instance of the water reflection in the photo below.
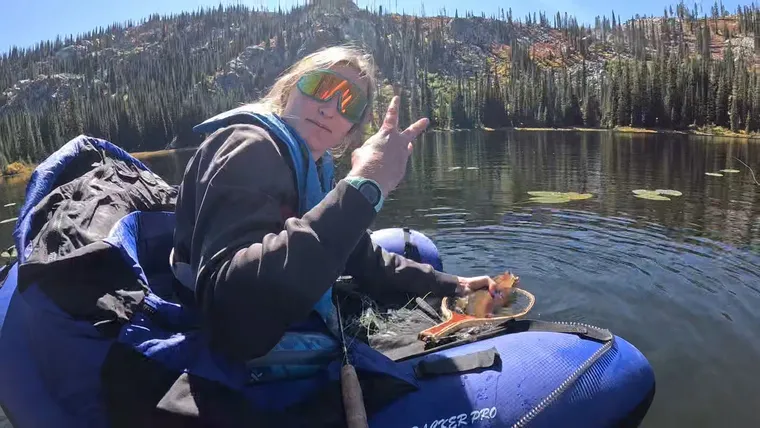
(474, 178)
(679, 279)
(509, 164)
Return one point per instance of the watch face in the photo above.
(371, 192)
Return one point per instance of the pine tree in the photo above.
(734, 113)
(146, 86)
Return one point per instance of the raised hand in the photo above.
(383, 156)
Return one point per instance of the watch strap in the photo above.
(357, 183)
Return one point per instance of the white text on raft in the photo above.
(462, 419)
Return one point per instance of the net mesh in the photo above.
(391, 325)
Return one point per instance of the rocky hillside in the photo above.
(143, 85)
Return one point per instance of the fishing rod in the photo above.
(351, 390)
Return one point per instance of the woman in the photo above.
(261, 232)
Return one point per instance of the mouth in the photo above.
(319, 125)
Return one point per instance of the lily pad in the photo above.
(714, 174)
(668, 192)
(573, 196)
(657, 194)
(545, 197)
(730, 171)
(10, 253)
(8, 220)
(652, 196)
(542, 194)
(550, 199)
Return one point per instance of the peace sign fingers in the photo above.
(383, 157)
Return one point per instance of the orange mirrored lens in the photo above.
(324, 85)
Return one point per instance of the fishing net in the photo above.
(392, 324)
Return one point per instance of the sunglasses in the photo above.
(323, 85)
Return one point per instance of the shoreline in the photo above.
(25, 169)
(18, 168)
(718, 132)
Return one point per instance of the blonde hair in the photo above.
(277, 97)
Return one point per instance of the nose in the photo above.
(328, 109)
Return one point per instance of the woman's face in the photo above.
(320, 124)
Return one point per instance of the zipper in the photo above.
(548, 400)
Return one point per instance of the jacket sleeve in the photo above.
(255, 274)
(379, 271)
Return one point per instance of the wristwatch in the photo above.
(369, 188)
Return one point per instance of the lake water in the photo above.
(679, 279)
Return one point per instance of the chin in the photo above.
(325, 147)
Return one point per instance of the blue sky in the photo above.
(26, 22)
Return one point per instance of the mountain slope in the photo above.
(143, 86)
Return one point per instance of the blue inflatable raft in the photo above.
(57, 360)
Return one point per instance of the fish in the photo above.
(481, 304)
(479, 308)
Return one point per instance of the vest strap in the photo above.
(183, 272)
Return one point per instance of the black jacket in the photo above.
(258, 263)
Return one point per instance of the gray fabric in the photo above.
(89, 196)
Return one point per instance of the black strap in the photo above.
(585, 331)
(516, 326)
(460, 364)
(410, 250)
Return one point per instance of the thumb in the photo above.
(354, 156)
